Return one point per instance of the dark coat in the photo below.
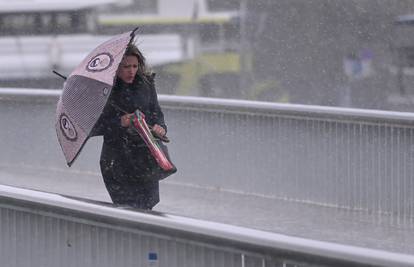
(126, 164)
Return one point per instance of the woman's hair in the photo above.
(132, 50)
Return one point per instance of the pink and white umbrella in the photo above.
(85, 94)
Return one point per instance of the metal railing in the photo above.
(43, 229)
(335, 157)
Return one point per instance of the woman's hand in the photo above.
(158, 130)
(125, 120)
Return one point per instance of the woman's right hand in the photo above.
(125, 119)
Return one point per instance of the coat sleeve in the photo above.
(157, 116)
(109, 122)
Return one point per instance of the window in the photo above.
(223, 5)
(136, 6)
(146, 6)
(43, 23)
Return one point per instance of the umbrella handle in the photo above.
(163, 138)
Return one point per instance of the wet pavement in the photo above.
(279, 216)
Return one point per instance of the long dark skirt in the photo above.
(127, 180)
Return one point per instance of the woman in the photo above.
(127, 166)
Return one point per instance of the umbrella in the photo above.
(86, 92)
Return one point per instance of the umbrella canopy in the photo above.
(85, 94)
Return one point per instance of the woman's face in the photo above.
(128, 69)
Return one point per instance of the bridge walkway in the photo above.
(213, 204)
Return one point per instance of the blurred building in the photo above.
(26, 17)
(30, 45)
(209, 30)
(324, 52)
(213, 21)
(39, 36)
(305, 48)
(355, 53)
(403, 65)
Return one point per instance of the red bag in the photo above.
(140, 125)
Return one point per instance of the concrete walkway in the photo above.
(285, 217)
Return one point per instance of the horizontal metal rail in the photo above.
(335, 157)
(229, 105)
